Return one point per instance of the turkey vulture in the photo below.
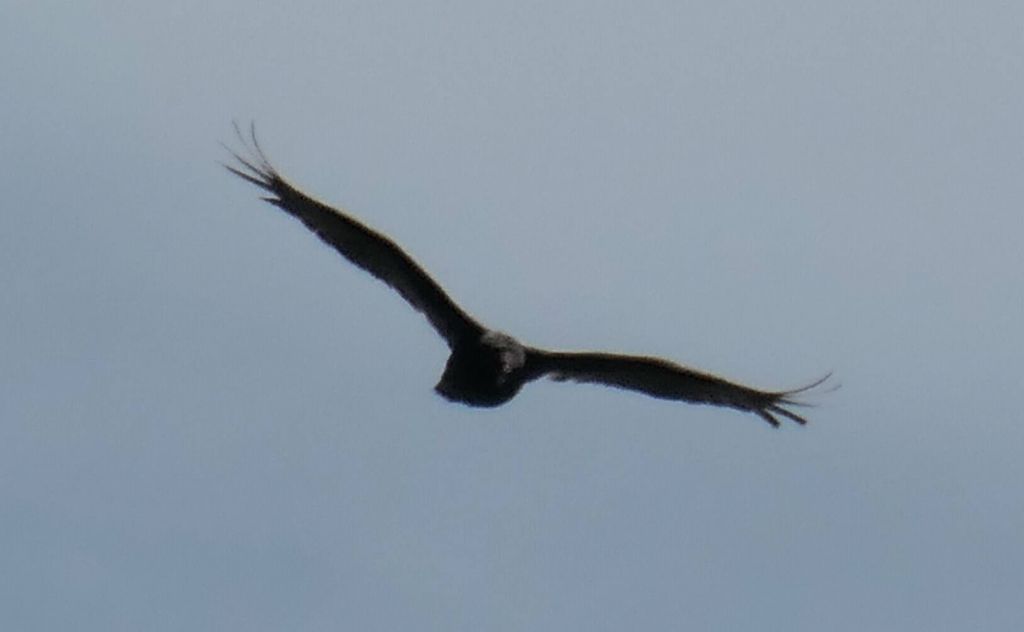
(487, 367)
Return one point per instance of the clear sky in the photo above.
(210, 421)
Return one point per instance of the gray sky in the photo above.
(212, 422)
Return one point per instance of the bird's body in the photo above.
(487, 371)
(488, 368)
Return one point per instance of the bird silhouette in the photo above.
(487, 367)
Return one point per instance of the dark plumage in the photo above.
(486, 367)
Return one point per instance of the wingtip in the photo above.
(779, 400)
(252, 162)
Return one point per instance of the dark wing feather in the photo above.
(358, 243)
(667, 380)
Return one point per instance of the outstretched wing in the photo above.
(667, 380)
(358, 243)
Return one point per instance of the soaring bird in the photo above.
(487, 367)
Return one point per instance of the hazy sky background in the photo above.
(209, 421)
